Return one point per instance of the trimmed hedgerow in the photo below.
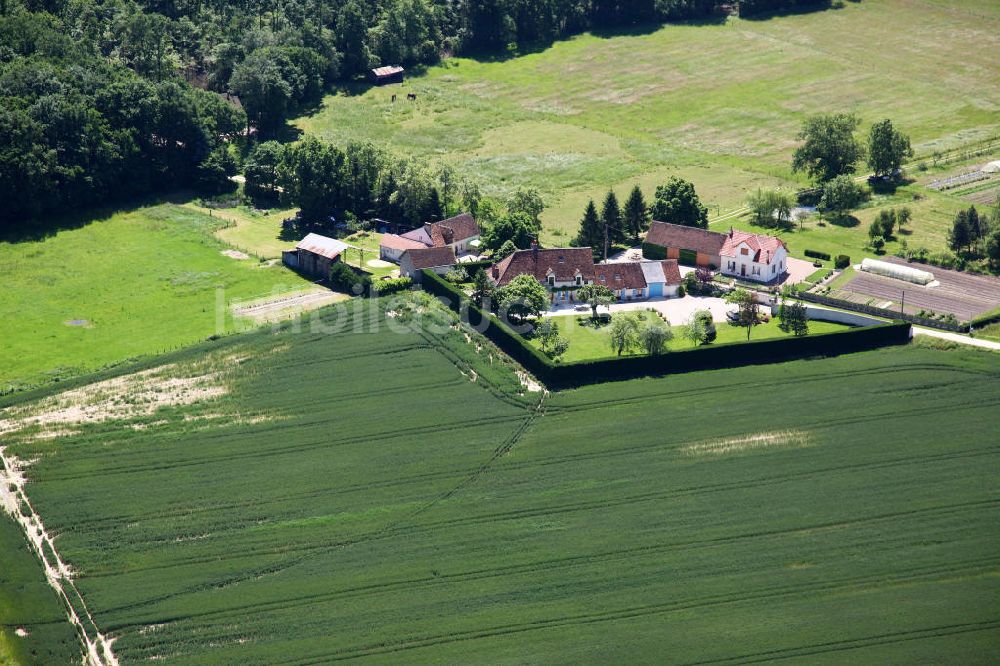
(842, 261)
(391, 286)
(813, 254)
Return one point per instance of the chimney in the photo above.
(534, 249)
(730, 231)
(495, 271)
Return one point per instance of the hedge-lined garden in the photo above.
(581, 373)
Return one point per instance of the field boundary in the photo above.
(714, 357)
(882, 312)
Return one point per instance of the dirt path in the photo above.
(97, 647)
(288, 306)
(955, 337)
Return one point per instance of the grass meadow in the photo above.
(127, 284)
(718, 104)
(397, 496)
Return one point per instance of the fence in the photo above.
(882, 312)
(581, 373)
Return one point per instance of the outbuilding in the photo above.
(438, 259)
(381, 76)
(314, 255)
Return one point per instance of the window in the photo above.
(635, 292)
(562, 259)
(756, 270)
(744, 251)
(579, 280)
(552, 280)
(732, 265)
(772, 269)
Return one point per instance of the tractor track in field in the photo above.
(396, 529)
(554, 564)
(842, 586)
(855, 643)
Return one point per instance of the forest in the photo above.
(109, 100)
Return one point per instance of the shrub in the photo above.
(392, 286)
(842, 261)
(345, 279)
(813, 254)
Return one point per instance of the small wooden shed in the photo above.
(389, 74)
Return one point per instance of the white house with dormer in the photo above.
(750, 256)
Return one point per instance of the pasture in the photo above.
(718, 104)
(357, 489)
(121, 285)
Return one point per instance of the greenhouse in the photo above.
(897, 271)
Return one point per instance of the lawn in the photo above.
(125, 284)
(252, 231)
(283, 519)
(587, 342)
(718, 104)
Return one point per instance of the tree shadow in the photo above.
(797, 10)
(845, 221)
(33, 230)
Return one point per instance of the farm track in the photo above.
(841, 586)
(562, 563)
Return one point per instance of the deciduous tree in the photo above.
(888, 148)
(595, 295)
(677, 202)
(829, 148)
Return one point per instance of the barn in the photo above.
(381, 76)
(690, 246)
(314, 255)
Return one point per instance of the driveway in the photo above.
(676, 310)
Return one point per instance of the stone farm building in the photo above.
(690, 246)
(438, 259)
(314, 255)
(740, 254)
(461, 233)
(564, 270)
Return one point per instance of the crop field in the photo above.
(121, 285)
(716, 103)
(355, 488)
(964, 295)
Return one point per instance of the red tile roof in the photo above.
(624, 275)
(430, 257)
(438, 234)
(694, 239)
(461, 226)
(763, 247)
(564, 263)
(394, 242)
(671, 271)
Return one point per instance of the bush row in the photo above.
(581, 373)
(813, 254)
(391, 286)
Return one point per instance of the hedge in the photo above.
(730, 355)
(654, 252)
(882, 312)
(391, 286)
(842, 261)
(987, 318)
(813, 254)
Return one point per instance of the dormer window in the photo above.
(562, 259)
(579, 280)
(552, 280)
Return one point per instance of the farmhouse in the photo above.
(461, 233)
(384, 75)
(314, 255)
(561, 270)
(753, 256)
(690, 246)
(438, 259)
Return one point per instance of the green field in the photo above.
(300, 498)
(28, 604)
(133, 283)
(719, 104)
(587, 342)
